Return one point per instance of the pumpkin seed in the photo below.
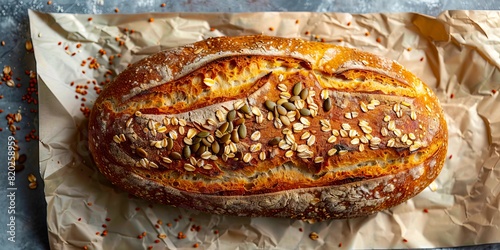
(305, 112)
(234, 136)
(203, 134)
(304, 94)
(289, 106)
(275, 141)
(238, 121)
(186, 152)
(195, 147)
(281, 110)
(215, 147)
(141, 152)
(245, 109)
(223, 127)
(206, 142)
(270, 105)
(230, 127)
(231, 115)
(297, 88)
(225, 138)
(242, 131)
(175, 156)
(200, 150)
(170, 143)
(327, 104)
(284, 119)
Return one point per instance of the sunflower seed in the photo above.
(256, 111)
(361, 147)
(270, 116)
(269, 105)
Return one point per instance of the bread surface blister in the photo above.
(267, 126)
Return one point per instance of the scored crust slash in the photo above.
(267, 126)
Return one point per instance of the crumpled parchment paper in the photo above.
(456, 54)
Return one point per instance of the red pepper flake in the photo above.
(49, 2)
(89, 204)
(117, 10)
(426, 210)
(367, 33)
(181, 236)
(450, 157)
(144, 234)
(297, 21)
(340, 40)
(150, 247)
(379, 40)
(79, 219)
(301, 230)
(494, 91)
(307, 33)
(132, 31)
(137, 208)
(157, 226)
(216, 231)
(104, 225)
(405, 240)
(151, 20)
(85, 247)
(157, 241)
(97, 233)
(59, 43)
(421, 59)
(340, 244)
(78, 45)
(271, 29)
(89, 19)
(452, 95)
(104, 233)
(163, 5)
(139, 237)
(169, 224)
(66, 48)
(3, 43)
(409, 49)
(196, 245)
(348, 23)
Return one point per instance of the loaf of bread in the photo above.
(268, 126)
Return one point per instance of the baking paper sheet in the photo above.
(456, 54)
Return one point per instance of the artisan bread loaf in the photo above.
(268, 126)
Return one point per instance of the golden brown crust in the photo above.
(346, 128)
